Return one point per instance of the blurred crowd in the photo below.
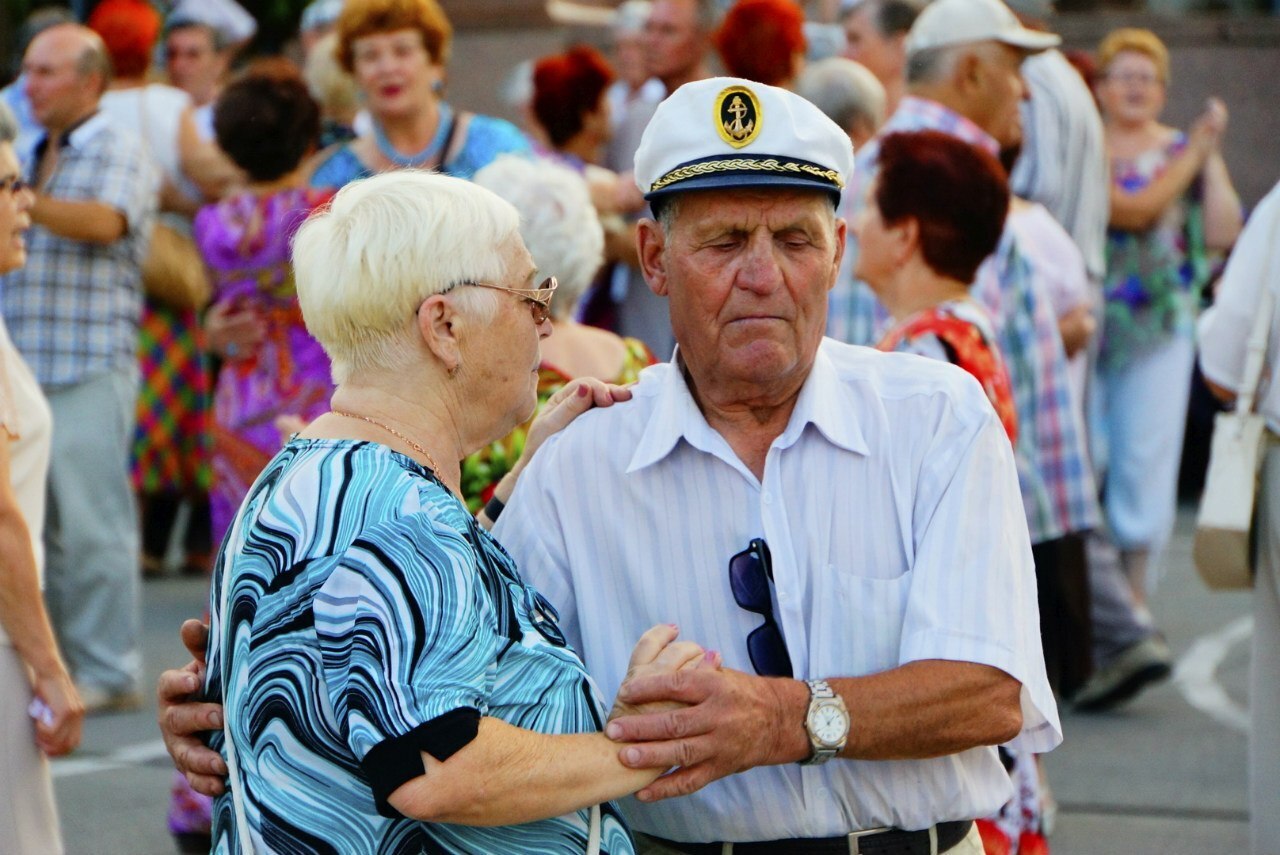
(1019, 211)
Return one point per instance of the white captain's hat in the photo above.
(726, 132)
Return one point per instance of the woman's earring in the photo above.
(438, 87)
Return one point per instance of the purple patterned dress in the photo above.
(245, 243)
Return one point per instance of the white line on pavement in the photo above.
(129, 755)
(1196, 674)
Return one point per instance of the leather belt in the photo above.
(892, 841)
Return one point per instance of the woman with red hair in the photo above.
(569, 103)
(763, 40)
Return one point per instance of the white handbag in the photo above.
(1223, 545)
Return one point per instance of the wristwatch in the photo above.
(827, 723)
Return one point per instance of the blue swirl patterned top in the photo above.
(487, 137)
(371, 619)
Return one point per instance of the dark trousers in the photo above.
(1062, 581)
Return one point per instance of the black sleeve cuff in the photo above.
(395, 761)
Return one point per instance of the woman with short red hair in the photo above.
(763, 40)
(569, 104)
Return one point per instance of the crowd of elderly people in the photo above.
(615, 479)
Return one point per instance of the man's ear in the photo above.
(440, 326)
(650, 241)
(842, 233)
(968, 72)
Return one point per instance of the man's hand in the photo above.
(183, 720)
(733, 722)
(658, 652)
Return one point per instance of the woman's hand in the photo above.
(569, 402)
(233, 333)
(58, 727)
(1209, 127)
(657, 652)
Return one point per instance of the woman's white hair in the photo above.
(366, 261)
(557, 220)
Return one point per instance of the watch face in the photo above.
(830, 724)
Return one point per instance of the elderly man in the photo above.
(847, 93)
(875, 34)
(842, 525)
(73, 313)
(196, 58)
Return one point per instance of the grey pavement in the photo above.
(1158, 777)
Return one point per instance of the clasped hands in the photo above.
(678, 706)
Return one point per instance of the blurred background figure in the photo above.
(335, 92)
(15, 94)
(397, 51)
(763, 40)
(875, 34)
(171, 446)
(31, 668)
(196, 58)
(1172, 202)
(848, 94)
(1252, 274)
(563, 234)
(570, 111)
(318, 21)
(634, 95)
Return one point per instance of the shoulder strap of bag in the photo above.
(1255, 354)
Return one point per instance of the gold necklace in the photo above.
(389, 429)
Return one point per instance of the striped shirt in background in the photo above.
(1063, 164)
(890, 506)
(1058, 489)
(73, 310)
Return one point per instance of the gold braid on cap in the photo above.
(696, 170)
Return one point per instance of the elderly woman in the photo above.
(366, 633)
(397, 50)
(919, 252)
(564, 235)
(31, 669)
(1171, 202)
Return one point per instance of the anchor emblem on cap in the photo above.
(737, 116)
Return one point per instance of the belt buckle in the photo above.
(853, 836)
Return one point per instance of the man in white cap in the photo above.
(843, 525)
(963, 69)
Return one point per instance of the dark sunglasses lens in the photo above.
(748, 581)
(768, 651)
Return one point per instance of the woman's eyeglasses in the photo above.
(539, 299)
(750, 573)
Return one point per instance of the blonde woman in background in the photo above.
(1172, 203)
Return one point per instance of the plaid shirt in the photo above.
(73, 311)
(1058, 491)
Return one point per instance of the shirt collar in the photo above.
(824, 402)
(76, 135)
(915, 113)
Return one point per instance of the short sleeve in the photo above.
(127, 178)
(973, 588)
(405, 629)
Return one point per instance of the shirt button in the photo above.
(767, 498)
(783, 597)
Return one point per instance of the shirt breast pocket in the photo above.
(858, 625)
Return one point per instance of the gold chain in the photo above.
(389, 429)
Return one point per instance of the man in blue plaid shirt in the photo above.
(74, 313)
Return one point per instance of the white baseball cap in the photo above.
(958, 22)
(728, 132)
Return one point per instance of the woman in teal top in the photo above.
(396, 50)
(390, 683)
